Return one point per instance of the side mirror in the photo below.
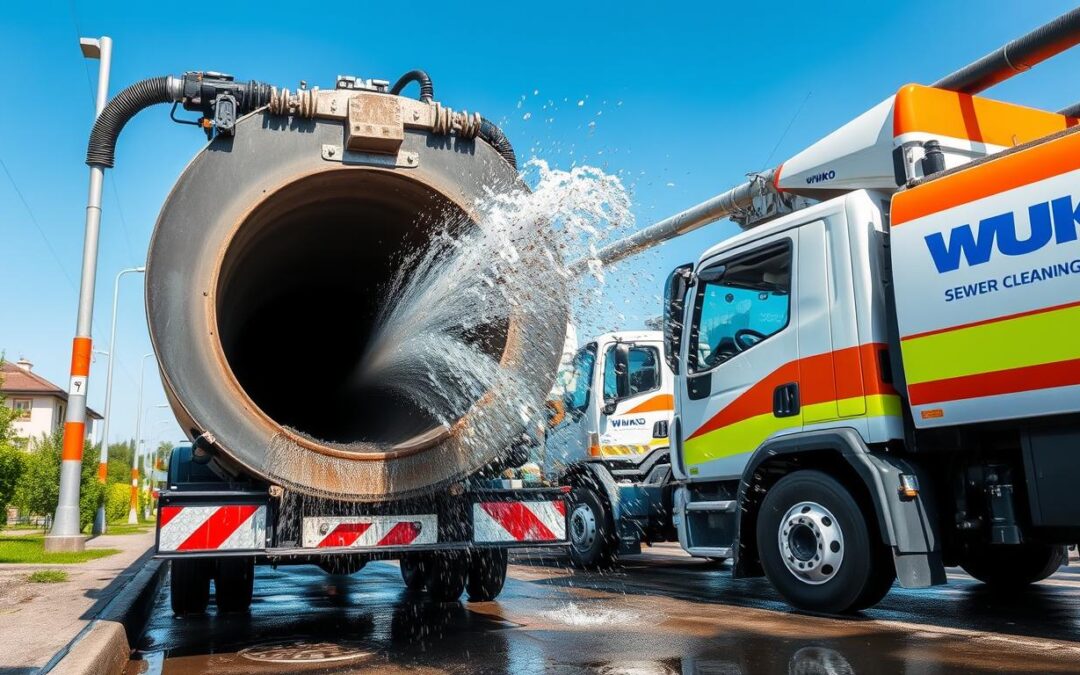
(556, 412)
(609, 406)
(621, 354)
(678, 283)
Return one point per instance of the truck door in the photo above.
(568, 440)
(627, 431)
(741, 382)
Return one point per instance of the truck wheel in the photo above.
(487, 574)
(817, 547)
(234, 581)
(1011, 567)
(445, 576)
(413, 573)
(591, 544)
(189, 586)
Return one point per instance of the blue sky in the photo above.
(691, 96)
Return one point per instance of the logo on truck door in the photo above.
(1052, 221)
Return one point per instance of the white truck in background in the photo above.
(607, 438)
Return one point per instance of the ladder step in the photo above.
(725, 506)
(710, 551)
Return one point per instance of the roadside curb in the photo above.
(104, 645)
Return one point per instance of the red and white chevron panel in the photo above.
(519, 521)
(211, 528)
(370, 531)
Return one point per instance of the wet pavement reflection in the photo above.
(660, 613)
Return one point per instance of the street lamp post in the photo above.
(103, 466)
(133, 513)
(138, 435)
(64, 535)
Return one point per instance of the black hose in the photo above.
(498, 140)
(1016, 56)
(427, 90)
(102, 148)
(1071, 111)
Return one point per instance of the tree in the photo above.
(12, 464)
(11, 458)
(38, 488)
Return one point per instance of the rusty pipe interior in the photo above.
(300, 285)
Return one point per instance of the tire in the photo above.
(884, 574)
(487, 574)
(413, 574)
(445, 576)
(1007, 567)
(189, 586)
(826, 557)
(592, 544)
(234, 582)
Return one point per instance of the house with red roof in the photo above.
(40, 405)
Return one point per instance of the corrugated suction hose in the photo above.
(102, 148)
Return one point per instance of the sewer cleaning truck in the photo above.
(280, 238)
(879, 377)
(607, 439)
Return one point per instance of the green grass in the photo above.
(48, 577)
(30, 549)
(122, 527)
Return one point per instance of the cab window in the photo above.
(739, 305)
(576, 395)
(644, 371)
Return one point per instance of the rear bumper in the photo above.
(235, 523)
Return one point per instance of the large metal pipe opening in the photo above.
(299, 288)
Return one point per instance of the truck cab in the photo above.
(607, 437)
(884, 384)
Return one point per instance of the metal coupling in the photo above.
(445, 121)
(301, 104)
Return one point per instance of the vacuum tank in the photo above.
(267, 268)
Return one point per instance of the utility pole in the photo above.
(65, 535)
(103, 463)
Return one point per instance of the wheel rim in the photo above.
(811, 543)
(582, 527)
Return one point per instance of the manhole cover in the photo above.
(303, 651)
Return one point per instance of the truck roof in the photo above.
(810, 213)
(630, 336)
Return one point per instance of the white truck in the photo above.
(880, 377)
(607, 438)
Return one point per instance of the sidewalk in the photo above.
(37, 620)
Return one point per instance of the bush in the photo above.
(38, 488)
(117, 502)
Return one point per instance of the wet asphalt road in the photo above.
(661, 612)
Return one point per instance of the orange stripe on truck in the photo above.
(981, 120)
(998, 175)
(658, 402)
(841, 374)
(1010, 381)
